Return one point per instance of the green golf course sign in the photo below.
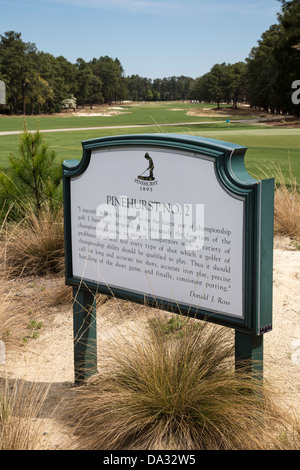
(174, 222)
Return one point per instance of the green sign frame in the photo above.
(230, 170)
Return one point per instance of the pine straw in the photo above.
(175, 392)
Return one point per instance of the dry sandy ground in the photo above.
(49, 358)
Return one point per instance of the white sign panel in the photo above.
(159, 222)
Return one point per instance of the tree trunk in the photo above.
(23, 98)
(14, 105)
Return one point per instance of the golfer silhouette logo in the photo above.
(150, 177)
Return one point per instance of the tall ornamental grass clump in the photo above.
(35, 245)
(21, 405)
(287, 207)
(286, 202)
(174, 390)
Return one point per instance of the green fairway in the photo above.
(267, 146)
(140, 114)
(66, 143)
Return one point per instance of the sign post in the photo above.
(249, 352)
(85, 334)
(174, 222)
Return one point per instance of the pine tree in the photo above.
(34, 178)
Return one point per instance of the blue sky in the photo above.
(151, 38)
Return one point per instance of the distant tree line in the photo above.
(171, 88)
(223, 83)
(274, 64)
(37, 82)
(265, 79)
